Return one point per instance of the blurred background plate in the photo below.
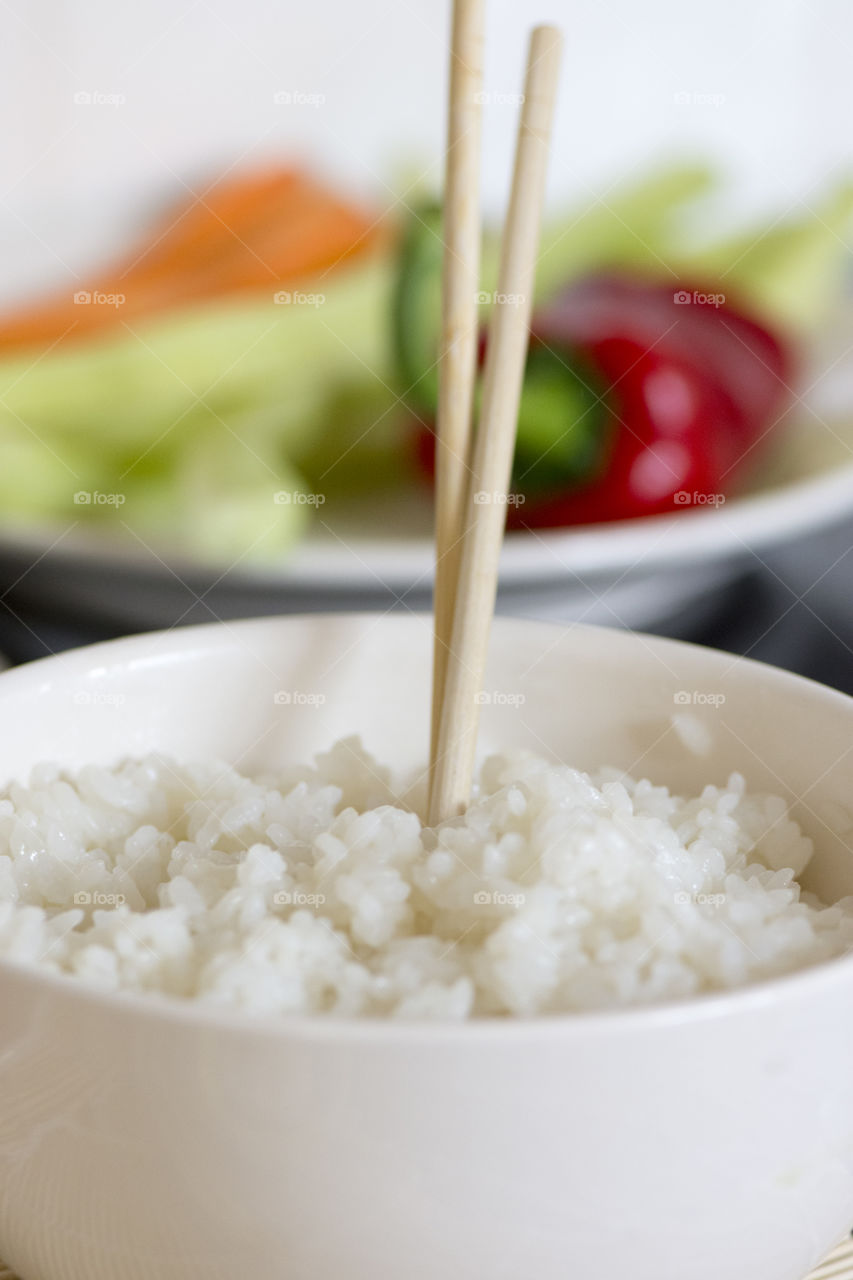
(357, 92)
(377, 553)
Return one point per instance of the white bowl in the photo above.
(145, 1138)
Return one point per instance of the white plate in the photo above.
(377, 553)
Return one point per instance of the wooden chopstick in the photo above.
(495, 439)
(457, 365)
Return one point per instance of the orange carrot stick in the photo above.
(249, 232)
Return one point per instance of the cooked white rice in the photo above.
(318, 892)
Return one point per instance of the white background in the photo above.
(763, 86)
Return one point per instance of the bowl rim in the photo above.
(189, 1013)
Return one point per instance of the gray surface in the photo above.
(793, 608)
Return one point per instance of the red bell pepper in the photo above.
(691, 387)
(639, 398)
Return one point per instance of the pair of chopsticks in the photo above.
(473, 469)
